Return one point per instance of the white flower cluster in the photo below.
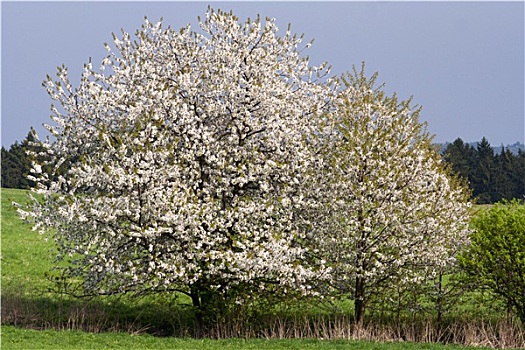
(224, 158)
(186, 155)
(393, 215)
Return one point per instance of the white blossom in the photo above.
(187, 159)
(390, 213)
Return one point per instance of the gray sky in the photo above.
(462, 61)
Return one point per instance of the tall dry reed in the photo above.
(93, 316)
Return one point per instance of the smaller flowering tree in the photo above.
(390, 213)
(186, 156)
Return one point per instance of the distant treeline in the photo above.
(17, 163)
(492, 175)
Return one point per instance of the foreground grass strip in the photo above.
(14, 338)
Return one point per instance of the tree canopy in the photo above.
(220, 164)
(189, 159)
(391, 215)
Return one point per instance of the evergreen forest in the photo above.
(492, 176)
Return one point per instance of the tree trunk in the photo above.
(439, 300)
(196, 301)
(208, 305)
(359, 294)
(359, 297)
(521, 314)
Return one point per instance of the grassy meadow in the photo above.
(13, 338)
(36, 317)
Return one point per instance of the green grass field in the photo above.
(31, 314)
(13, 338)
(26, 256)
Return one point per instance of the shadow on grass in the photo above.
(170, 316)
(152, 315)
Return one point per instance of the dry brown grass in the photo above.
(98, 317)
